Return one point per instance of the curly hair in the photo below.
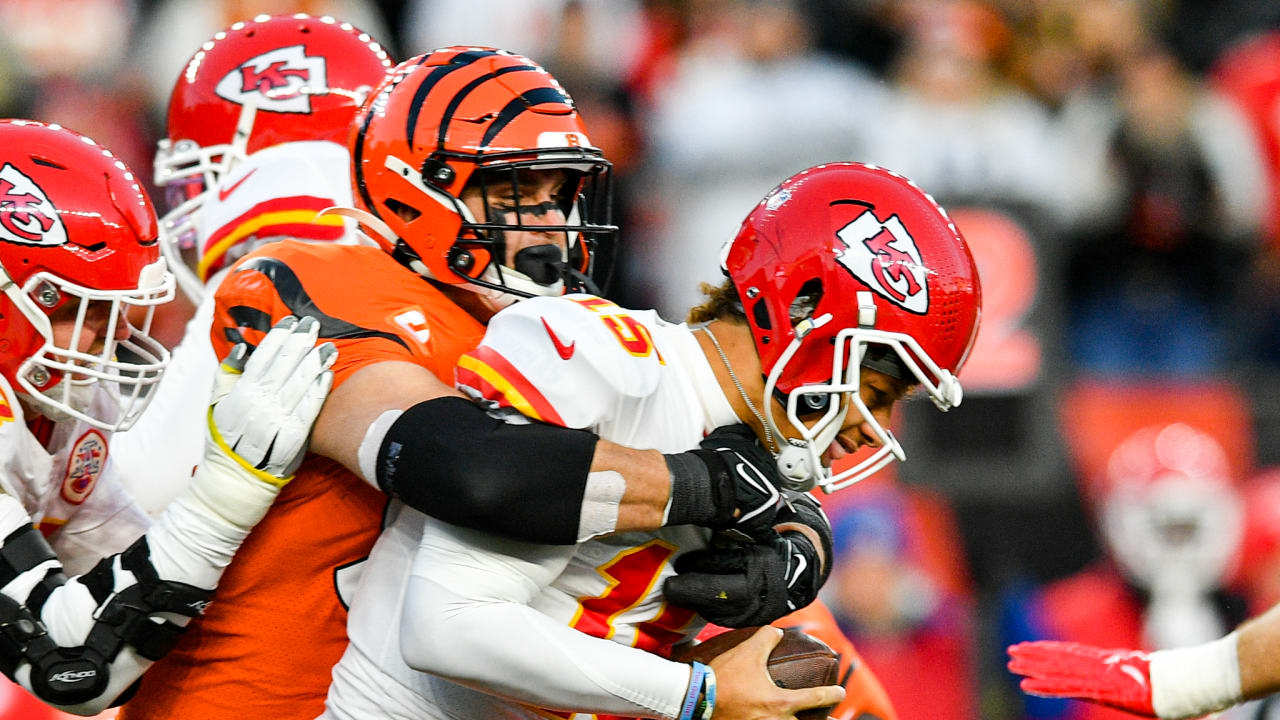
(722, 303)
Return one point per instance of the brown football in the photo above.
(799, 661)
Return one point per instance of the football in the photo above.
(799, 661)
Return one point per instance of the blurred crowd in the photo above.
(1115, 165)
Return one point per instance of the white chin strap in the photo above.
(800, 461)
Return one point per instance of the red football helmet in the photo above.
(259, 83)
(77, 240)
(845, 265)
(475, 115)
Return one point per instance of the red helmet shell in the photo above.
(71, 209)
(306, 75)
(448, 113)
(846, 228)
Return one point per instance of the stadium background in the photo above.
(1115, 165)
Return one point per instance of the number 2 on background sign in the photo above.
(631, 576)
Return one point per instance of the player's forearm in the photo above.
(1258, 651)
(552, 666)
(646, 482)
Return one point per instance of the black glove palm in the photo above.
(757, 583)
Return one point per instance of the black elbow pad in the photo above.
(450, 459)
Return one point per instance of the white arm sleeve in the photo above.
(191, 542)
(467, 618)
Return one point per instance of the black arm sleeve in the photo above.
(450, 459)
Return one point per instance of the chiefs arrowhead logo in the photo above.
(884, 256)
(282, 80)
(26, 215)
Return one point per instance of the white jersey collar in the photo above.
(716, 410)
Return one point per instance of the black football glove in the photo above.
(747, 585)
(804, 509)
(729, 483)
(755, 584)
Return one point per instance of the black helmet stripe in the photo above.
(460, 60)
(537, 96)
(357, 161)
(465, 91)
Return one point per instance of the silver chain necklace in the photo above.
(768, 434)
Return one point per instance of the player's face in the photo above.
(880, 393)
(540, 202)
(97, 319)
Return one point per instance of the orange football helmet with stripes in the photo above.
(255, 85)
(475, 117)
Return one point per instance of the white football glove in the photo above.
(263, 406)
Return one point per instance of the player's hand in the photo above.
(263, 406)
(746, 692)
(739, 482)
(752, 584)
(1117, 678)
(265, 402)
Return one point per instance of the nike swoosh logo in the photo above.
(755, 479)
(566, 351)
(224, 194)
(1134, 673)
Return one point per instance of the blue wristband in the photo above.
(698, 672)
(709, 698)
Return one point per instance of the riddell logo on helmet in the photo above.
(884, 256)
(26, 215)
(282, 80)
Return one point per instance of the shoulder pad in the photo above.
(12, 425)
(276, 193)
(578, 354)
(616, 343)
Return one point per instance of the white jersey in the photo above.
(272, 195)
(537, 628)
(71, 488)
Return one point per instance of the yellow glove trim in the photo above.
(262, 475)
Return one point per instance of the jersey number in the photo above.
(631, 576)
(633, 336)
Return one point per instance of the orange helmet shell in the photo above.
(438, 118)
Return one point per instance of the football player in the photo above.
(477, 182)
(81, 275)
(847, 286)
(256, 148)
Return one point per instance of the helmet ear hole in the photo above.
(760, 313)
(806, 301)
(402, 210)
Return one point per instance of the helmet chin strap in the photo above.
(800, 460)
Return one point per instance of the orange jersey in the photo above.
(266, 646)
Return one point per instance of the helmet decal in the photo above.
(841, 266)
(885, 257)
(26, 215)
(281, 80)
